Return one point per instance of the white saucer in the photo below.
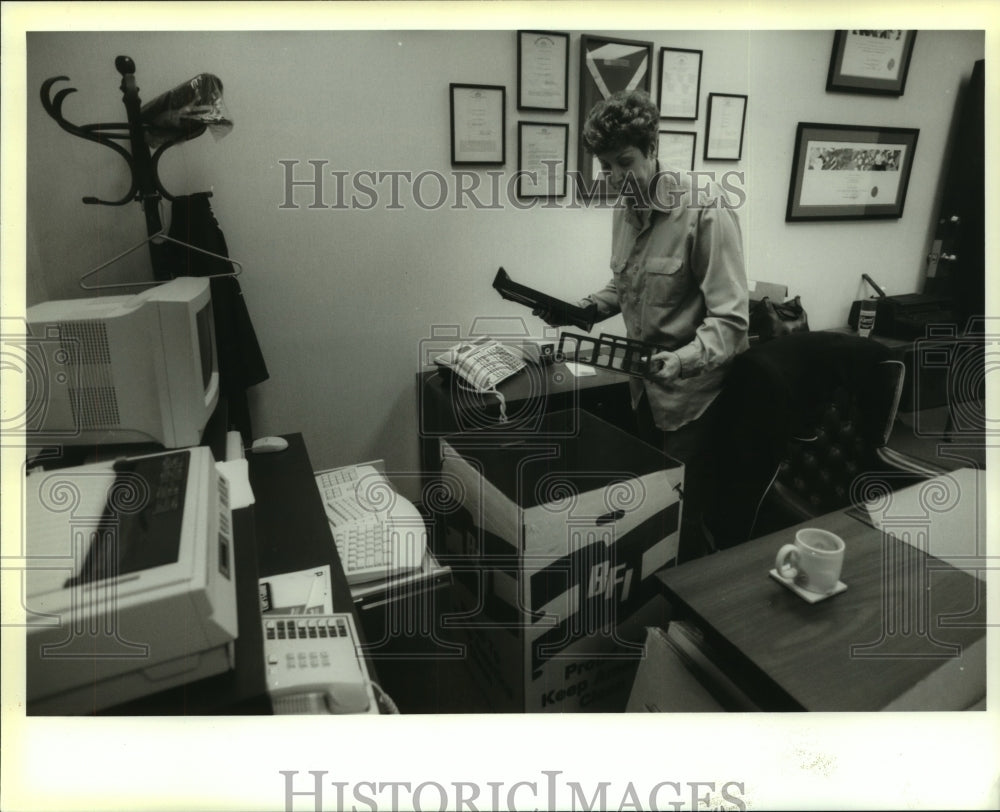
(805, 594)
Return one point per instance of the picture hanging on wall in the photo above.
(680, 83)
(846, 172)
(727, 114)
(870, 61)
(606, 66)
(541, 159)
(542, 70)
(676, 149)
(478, 124)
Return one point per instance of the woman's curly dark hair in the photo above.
(626, 118)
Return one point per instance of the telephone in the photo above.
(313, 665)
(482, 364)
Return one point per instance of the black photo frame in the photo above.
(543, 71)
(849, 172)
(679, 91)
(478, 124)
(676, 149)
(726, 113)
(607, 65)
(542, 150)
(870, 61)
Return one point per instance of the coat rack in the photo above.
(146, 187)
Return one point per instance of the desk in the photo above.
(887, 643)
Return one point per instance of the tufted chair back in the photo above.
(843, 439)
(803, 416)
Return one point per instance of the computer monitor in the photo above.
(123, 369)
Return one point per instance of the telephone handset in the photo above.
(482, 364)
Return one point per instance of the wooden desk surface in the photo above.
(292, 530)
(905, 620)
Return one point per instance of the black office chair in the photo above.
(804, 416)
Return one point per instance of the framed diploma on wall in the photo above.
(727, 114)
(680, 83)
(847, 172)
(541, 159)
(606, 66)
(478, 124)
(675, 149)
(542, 70)
(870, 61)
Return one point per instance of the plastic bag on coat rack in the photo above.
(186, 110)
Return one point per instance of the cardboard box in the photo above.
(678, 674)
(552, 547)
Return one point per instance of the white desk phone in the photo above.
(314, 665)
(483, 363)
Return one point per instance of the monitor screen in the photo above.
(206, 342)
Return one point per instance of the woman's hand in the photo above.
(665, 366)
(548, 317)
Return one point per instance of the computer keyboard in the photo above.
(372, 544)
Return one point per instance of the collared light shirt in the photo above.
(679, 282)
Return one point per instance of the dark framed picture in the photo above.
(680, 83)
(542, 70)
(849, 172)
(541, 159)
(478, 124)
(727, 115)
(676, 149)
(606, 66)
(870, 61)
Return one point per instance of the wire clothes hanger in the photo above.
(162, 235)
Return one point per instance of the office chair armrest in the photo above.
(909, 464)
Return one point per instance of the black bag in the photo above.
(771, 320)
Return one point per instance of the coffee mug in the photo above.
(814, 561)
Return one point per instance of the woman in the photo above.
(679, 283)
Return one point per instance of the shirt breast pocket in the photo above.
(665, 281)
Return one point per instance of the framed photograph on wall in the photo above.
(870, 61)
(680, 83)
(541, 159)
(478, 124)
(847, 172)
(606, 66)
(727, 114)
(542, 70)
(676, 149)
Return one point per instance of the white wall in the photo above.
(824, 261)
(341, 299)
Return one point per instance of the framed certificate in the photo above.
(676, 149)
(478, 124)
(870, 61)
(606, 66)
(680, 83)
(541, 163)
(727, 114)
(846, 172)
(542, 70)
